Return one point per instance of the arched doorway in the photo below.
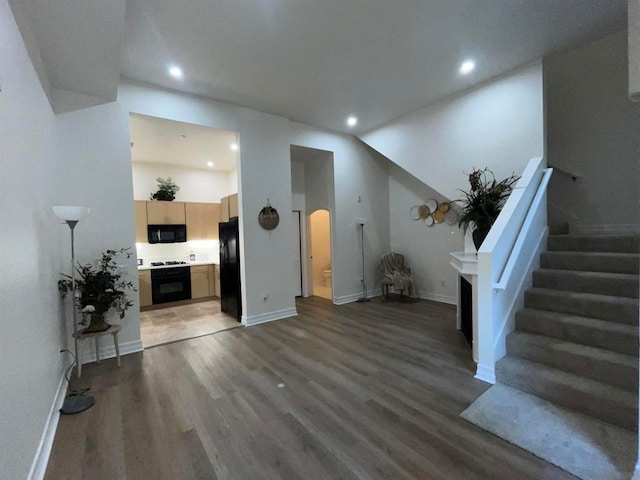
(320, 239)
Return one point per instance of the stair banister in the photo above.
(508, 242)
(524, 231)
(574, 176)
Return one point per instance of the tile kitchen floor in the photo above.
(181, 322)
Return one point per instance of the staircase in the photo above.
(576, 339)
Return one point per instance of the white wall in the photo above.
(196, 185)
(593, 130)
(264, 171)
(35, 247)
(426, 249)
(95, 171)
(498, 125)
(298, 201)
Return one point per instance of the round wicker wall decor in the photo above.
(268, 217)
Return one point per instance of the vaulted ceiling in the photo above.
(312, 61)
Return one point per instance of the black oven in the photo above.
(170, 284)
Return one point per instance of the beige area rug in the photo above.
(172, 324)
(585, 447)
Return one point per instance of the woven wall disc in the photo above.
(268, 218)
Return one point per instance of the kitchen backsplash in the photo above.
(204, 251)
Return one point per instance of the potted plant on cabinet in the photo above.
(482, 204)
(166, 190)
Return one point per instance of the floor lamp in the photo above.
(75, 401)
(363, 298)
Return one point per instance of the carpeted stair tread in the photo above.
(581, 445)
(617, 337)
(604, 307)
(592, 261)
(558, 228)
(594, 243)
(612, 368)
(615, 284)
(596, 399)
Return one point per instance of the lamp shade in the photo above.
(70, 212)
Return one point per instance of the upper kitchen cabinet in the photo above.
(140, 211)
(233, 205)
(202, 220)
(165, 213)
(229, 207)
(224, 209)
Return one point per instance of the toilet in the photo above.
(326, 274)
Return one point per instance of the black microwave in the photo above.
(167, 233)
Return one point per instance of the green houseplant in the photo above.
(99, 289)
(166, 190)
(482, 204)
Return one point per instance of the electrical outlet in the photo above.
(265, 297)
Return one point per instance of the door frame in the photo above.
(300, 248)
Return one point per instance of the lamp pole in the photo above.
(76, 401)
(364, 298)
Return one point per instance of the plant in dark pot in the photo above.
(482, 204)
(99, 289)
(166, 190)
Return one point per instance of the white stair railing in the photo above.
(506, 261)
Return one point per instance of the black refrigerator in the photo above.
(230, 293)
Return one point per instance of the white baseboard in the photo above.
(622, 229)
(268, 317)
(41, 459)
(107, 349)
(355, 296)
(436, 297)
(486, 374)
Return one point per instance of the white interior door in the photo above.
(297, 252)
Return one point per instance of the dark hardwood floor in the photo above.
(361, 391)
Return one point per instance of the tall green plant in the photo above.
(482, 204)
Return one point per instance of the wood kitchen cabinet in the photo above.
(140, 211)
(202, 281)
(224, 209)
(144, 287)
(165, 213)
(202, 220)
(228, 207)
(216, 279)
(233, 205)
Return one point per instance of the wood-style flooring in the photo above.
(361, 391)
(179, 322)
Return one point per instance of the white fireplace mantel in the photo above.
(466, 264)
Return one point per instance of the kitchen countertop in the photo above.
(188, 264)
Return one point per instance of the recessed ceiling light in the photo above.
(352, 121)
(209, 164)
(467, 67)
(175, 72)
(234, 146)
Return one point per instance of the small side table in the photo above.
(113, 330)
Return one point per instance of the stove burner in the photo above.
(173, 262)
(157, 264)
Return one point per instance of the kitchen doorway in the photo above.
(177, 236)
